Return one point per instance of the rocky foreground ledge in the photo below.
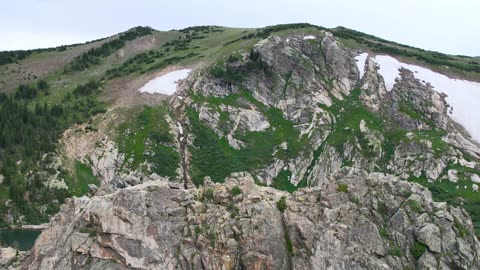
(354, 221)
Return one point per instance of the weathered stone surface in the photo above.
(452, 176)
(430, 236)
(373, 86)
(7, 254)
(146, 227)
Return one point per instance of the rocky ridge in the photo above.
(356, 220)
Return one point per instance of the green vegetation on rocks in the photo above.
(346, 130)
(458, 194)
(395, 251)
(213, 156)
(282, 204)
(83, 177)
(147, 137)
(418, 249)
(282, 182)
(342, 187)
(235, 191)
(414, 206)
(461, 230)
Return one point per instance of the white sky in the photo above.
(450, 26)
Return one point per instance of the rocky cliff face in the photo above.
(295, 114)
(313, 86)
(344, 119)
(355, 220)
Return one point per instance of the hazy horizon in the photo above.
(444, 26)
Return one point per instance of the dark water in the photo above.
(23, 239)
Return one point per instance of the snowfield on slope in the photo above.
(360, 60)
(165, 84)
(462, 95)
(309, 37)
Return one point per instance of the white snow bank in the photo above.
(165, 84)
(463, 96)
(389, 69)
(309, 37)
(361, 59)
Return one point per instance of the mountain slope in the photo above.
(291, 106)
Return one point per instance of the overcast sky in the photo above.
(450, 26)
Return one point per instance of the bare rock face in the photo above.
(106, 160)
(458, 140)
(247, 120)
(355, 220)
(211, 118)
(7, 255)
(415, 105)
(329, 162)
(373, 85)
(341, 64)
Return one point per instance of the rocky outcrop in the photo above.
(246, 120)
(355, 220)
(7, 256)
(373, 86)
(106, 160)
(302, 73)
(341, 65)
(328, 162)
(230, 121)
(415, 105)
(458, 140)
(304, 79)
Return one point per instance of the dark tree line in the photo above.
(28, 131)
(31, 91)
(95, 55)
(8, 57)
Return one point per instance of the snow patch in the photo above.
(389, 69)
(462, 95)
(308, 37)
(180, 128)
(361, 59)
(165, 84)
